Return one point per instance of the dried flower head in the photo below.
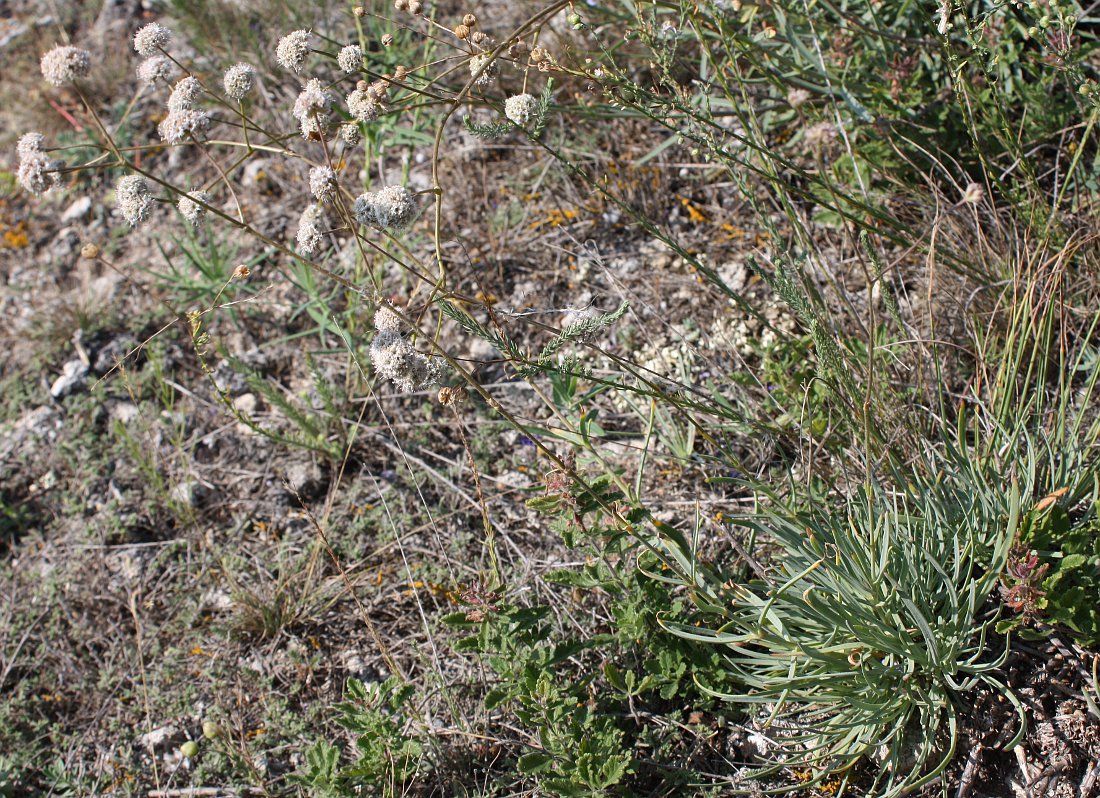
(179, 124)
(400, 72)
(37, 172)
(479, 38)
(520, 108)
(191, 210)
(973, 193)
(350, 133)
(415, 7)
(322, 182)
(156, 68)
(387, 320)
(238, 80)
(486, 66)
(292, 50)
(387, 39)
(30, 144)
(241, 272)
(184, 94)
(309, 236)
(64, 64)
(364, 105)
(820, 135)
(350, 58)
(796, 98)
(462, 31)
(401, 5)
(312, 107)
(469, 20)
(394, 358)
(89, 251)
(359, 11)
(134, 199)
(151, 39)
(394, 208)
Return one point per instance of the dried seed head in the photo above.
(415, 7)
(64, 64)
(462, 31)
(238, 80)
(309, 236)
(134, 200)
(292, 50)
(519, 47)
(359, 11)
(350, 58)
(520, 108)
(186, 91)
(401, 5)
(89, 251)
(387, 39)
(151, 39)
(378, 89)
(538, 54)
(322, 182)
(191, 210)
(312, 107)
(545, 66)
(241, 272)
(156, 68)
(452, 396)
(479, 38)
(400, 72)
(469, 20)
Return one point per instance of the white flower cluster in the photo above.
(238, 80)
(394, 358)
(151, 39)
(488, 73)
(158, 67)
(364, 104)
(312, 107)
(309, 237)
(520, 108)
(350, 58)
(64, 64)
(134, 199)
(322, 182)
(292, 50)
(191, 210)
(182, 119)
(37, 172)
(394, 208)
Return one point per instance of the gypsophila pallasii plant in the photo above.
(859, 644)
(341, 94)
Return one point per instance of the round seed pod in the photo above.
(469, 20)
(462, 31)
(387, 39)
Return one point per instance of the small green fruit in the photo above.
(211, 730)
(189, 749)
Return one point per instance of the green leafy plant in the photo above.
(858, 641)
(1054, 573)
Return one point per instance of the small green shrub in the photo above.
(858, 640)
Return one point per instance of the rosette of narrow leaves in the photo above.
(870, 625)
